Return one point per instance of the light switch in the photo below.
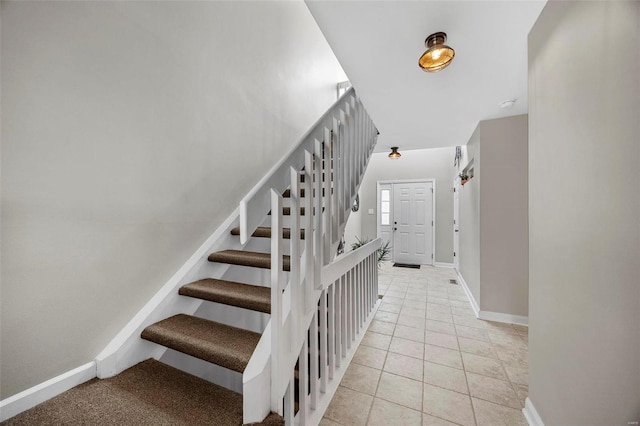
(370, 211)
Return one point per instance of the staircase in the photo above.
(317, 304)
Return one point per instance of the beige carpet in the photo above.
(150, 393)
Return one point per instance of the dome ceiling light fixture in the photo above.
(394, 154)
(507, 104)
(438, 55)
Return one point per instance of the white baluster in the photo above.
(361, 299)
(276, 298)
(303, 382)
(289, 401)
(317, 218)
(341, 169)
(374, 279)
(331, 332)
(294, 243)
(350, 308)
(372, 295)
(368, 284)
(309, 276)
(348, 154)
(344, 317)
(335, 184)
(313, 351)
(327, 255)
(338, 320)
(357, 295)
(323, 341)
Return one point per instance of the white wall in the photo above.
(584, 228)
(494, 258)
(131, 130)
(416, 164)
(504, 232)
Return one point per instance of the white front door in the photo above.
(413, 223)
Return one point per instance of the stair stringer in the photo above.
(127, 348)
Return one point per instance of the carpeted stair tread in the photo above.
(247, 258)
(147, 394)
(245, 296)
(265, 232)
(220, 344)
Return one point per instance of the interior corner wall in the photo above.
(435, 164)
(469, 216)
(584, 211)
(504, 243)
(131, 130)
(493, 231)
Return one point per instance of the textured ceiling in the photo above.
(378, 44)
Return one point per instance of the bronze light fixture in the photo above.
(394, 154)
(438, 55)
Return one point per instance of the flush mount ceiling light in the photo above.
(507, 104)
(394, 154)
(438, 55)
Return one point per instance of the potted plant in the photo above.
(384, 252)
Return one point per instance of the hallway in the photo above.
(427, 360)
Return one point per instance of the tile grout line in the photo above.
(376, 391)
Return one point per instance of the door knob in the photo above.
(455, 230)
(395, 229)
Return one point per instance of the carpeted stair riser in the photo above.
(248, 258)
(265, 232)
(220, 344)
(245, 296)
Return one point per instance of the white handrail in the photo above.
(334, 270)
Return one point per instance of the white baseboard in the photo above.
(31, 397)
(472, 300)
(488, 315)
(443, 265)
(531, 414)
(500, 317)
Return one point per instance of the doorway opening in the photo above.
(406, 218)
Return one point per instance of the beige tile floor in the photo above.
(427, 360)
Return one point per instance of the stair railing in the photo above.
(311, 295)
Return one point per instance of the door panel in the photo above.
(403, 247)
(421, 246)
(420, 213)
